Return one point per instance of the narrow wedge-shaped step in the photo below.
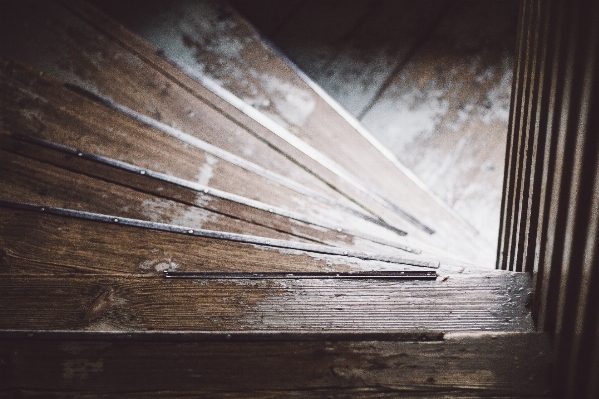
(197, 35)
(63, 177)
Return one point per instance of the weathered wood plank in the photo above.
(122, 303)
(44, 108)
(67, 264)
(216, 251)
(490, 366)
(69, 119)
(277, 137)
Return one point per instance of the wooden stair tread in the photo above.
(50, 272)
(456, 366)
(195, 110)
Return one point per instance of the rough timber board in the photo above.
(490, 366)
(135, 247)
(258, 66)
(133, 81)
(126, 303)
(46, 110)
(31, 181)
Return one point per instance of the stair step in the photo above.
(180, 364)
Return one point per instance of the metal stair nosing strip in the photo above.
(241, 238)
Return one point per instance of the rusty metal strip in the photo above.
(204, 189)
(226, 156)
(296, 142)
(366, 275)
(242, 238)
(225, 335)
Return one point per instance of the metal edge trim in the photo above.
(241, 238)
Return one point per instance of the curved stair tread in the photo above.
(137, 83)
(72, 120)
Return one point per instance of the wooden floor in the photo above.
(431, 80)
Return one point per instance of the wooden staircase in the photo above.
(161, 237)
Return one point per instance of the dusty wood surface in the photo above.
(490, 366)
(86, 245)
(95, 61)
(442, 90)
(129, 303)
(77, 182)
(47, 110)
(67, 118)
(31, 181)
(256, 74)
(444, 113)
(127, 262)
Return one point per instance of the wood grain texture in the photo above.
(272, 87)
(31, 181)
(91, 59)
(458, 367)
(58, 244)
(44, 109)
(69, 271)
(143, 81)
(126, 303)
(73, 182)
